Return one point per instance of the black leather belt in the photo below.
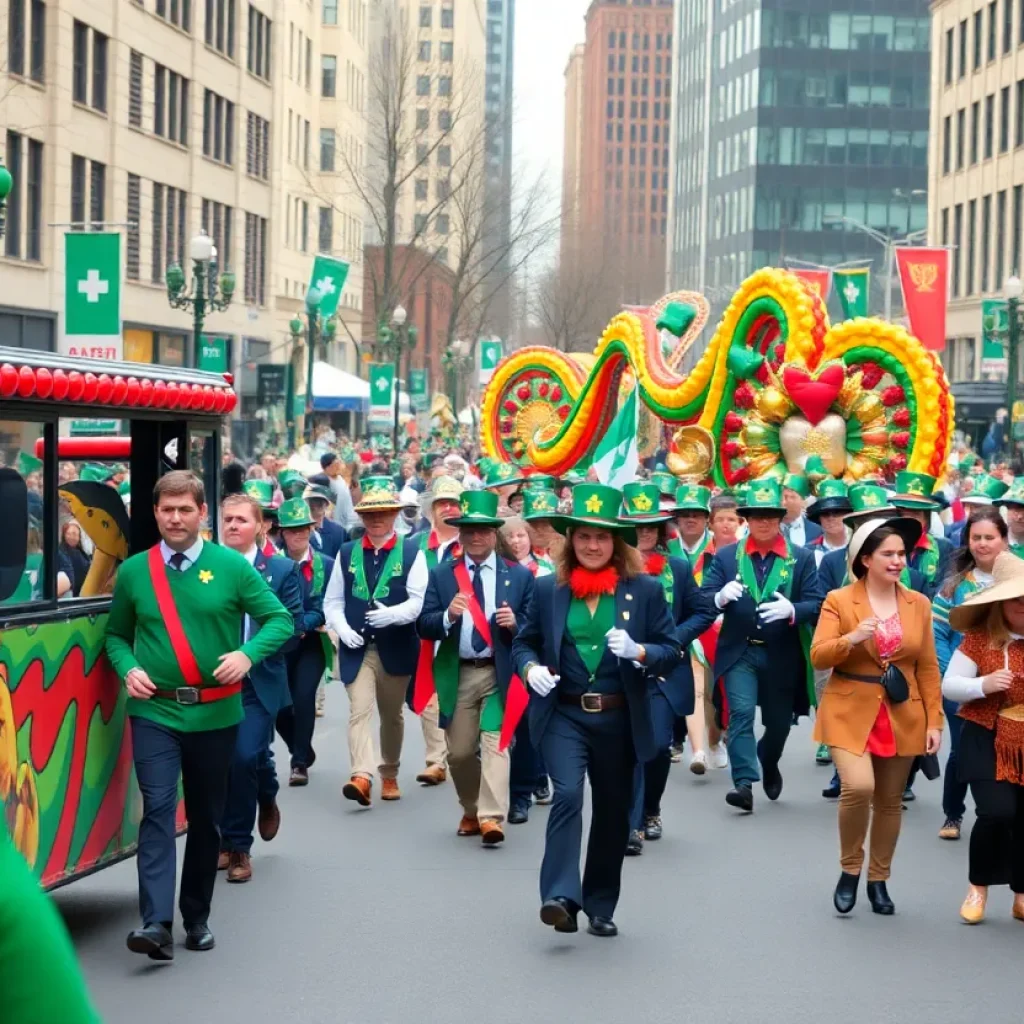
(593, 702)
(477, 662)
(858, 678)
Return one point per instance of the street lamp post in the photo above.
(391, 342)
(208, 291)
(6, 184)
(1012, 289)
(317, 333)
(456, 359)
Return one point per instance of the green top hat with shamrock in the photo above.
(503, 474)
(693, 498)
(763, 495)
(539, 503)
(797, 482)
(641, 505)
(479, 508)
(1014, 497)
(261, 491)
(985, 491)
(379, 495)
(833, 496)
(94, 471)
(291, 482)
(26, 463)
(869, 501)
(595, 505)
(294, 513)
(317, 492)
(665, 482)
(538, 481)
(914, 491)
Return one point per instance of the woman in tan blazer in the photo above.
(864, 627)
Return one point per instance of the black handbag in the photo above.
(895, 683)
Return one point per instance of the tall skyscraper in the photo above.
(792, 132)
(572, 161)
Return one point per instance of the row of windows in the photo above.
(991, 29)
(618, 40)
(976, 134)
(424, 85)
(638, 87)
(640, 65)
(23, 234)
(300, 68)
(427, 16)
(637, 155)
(637, 133)
(814, 208)
(88, 186)
(861, 32)
(89, 67)
(445, 51)
(636, 184)
(856, 147)
(858, 87)
(638, 108)
(978, 232)
(298, 139)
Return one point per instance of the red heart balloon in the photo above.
(76, 385)
(44, 382)
(813, 394)
(61, 385)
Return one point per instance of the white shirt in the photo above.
(961, 681)
(405, 612)
(489, 579)
(250, 557)
(191, 554)
(795, 531)
(692, 548)
(823, 549)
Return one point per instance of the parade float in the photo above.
(778, 389)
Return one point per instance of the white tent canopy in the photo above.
(336, 390)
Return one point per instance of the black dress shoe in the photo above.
(519, 814)
(879, 897)
(845, 896)
(560, 914)
(652, 828)
(299, 776)
(199, 938)
(154, 940)
(772, 782)
(908, 796)
(542, 794)
(833, 789)
(635, 844)
(603, 927)
(742, 797)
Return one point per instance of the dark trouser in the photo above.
(650, 779)
(295, 724)
(525, 771)
(202, 760)
(954, 792)
(679, 731)
(997, 839)
(576, 745)
(252, 747)
(748, 677)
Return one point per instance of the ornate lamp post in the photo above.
(208, 291)
(317, 333)
(391, 342)
(1013, 289)
(456, 360)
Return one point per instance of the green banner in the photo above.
(490, 356)
(852, 287)
(995, 324)
(92, 295)
(328, 277)
(418, 389)
(212, 354)
(382, 386)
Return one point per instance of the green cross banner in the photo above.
(418, 389)
(852, 288)
(328, 278)
(994, 329)
(212, 354)
(382, 386)
(490, 356)
(92, 295)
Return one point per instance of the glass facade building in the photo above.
(789, 116)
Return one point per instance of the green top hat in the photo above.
(539, 503)
(485, 462)
(641, 504)
(317, 492)
(537, 481)
(261, 491)
(986, 490)
(26, 464)
(763, 495)
(291, 482)
(479, 508)
(1014, 496)
(595, 505)
(914, 491)
(502, 474)
(693, 498)
(96, 472)
(665, 482)
(293, 513)
(833, 496)
(868, 500)
(379, 495)
(797, 482)
(125, 486)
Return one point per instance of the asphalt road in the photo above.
(385, 916)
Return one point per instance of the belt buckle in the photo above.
(755, 643)
(187, 695)
(590, 702)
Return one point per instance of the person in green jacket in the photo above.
(180, 635)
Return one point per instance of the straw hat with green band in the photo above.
(914, 491)
(1014, 497)
(641, 505)
(665, 482)
(261, 491)
(1007, 585)
(868, 500)
(503, 474)
(294, 513)
(986, 490)
(693, 498)
(539, 503)
(595, 505)
(479, 508)
(443, 488)
(833, 496)
(291, 482)
(797, 482)
(379, 495)
(764, 495)
(94, 471)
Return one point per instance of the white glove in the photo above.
(732, 591)
(779, 610)
(622, 645)
(380, 616)
(541, 681)
(349, 637)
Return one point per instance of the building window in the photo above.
(949, 57)
(170, 115)
(1004, 120)
(977, 48)
(422, 118)
(447, 17)
(975, 130)
(216, 221)
(423, 85)
(80, 62)
(986, 240)
(419, 224)
(1018, 132)
(1015, 227)
(177, 12)
(36, 36)
(134, 218)
(422, 186)
(255, 276)
(958, 224)
(97, 194)
(328, 75)
(992, 29)
(990, 116)
(24, 160)
(947, 143)
(441, 224)
(444, 156)
(327, 149)
(444, 85)
(170, 216)
(426, 16)
(329, 9)
(257, 146)
(325, 232)
(78, 192)
(1007, 25)
(962, 55)
(220, 26)
(258, 55)
(960, 118)
(972, 227)
(1000, 238)
(444, 120)
(447, 52)
(218, 128)
(423, 53)
(135, 89)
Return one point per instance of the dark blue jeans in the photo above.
(295, 724)
(525, 772)
(251, 749)
(201, 760)
(650, 779)
(954, 792)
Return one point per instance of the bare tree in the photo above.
(574, 300)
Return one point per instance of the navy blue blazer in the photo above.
(313, 604)
(514, 585)
(641, 610)
(270, 677)
(328, 538)
(832, 573)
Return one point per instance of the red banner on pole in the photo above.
(820, 281)
(924, 277)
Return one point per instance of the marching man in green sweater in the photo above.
(174, 636)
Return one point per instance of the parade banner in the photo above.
(924, 275)
(995, 322)
(382, 387)
(418, 389)
(819, 280)
(852, 286)
(328, 277)
(490, 356)
(212, 354)
(617, 457)
(92, 296)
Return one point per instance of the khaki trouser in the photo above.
(480, 782)
(433, 735)
(703, 694)
(372, 684)
(869, 782)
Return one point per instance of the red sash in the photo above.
(172, 620)
(483, 627)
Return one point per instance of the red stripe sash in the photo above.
(483, 627)
(172, 620)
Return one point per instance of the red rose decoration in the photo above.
(510, 406)
(506, 427)
(524, 392)
(893, 395)
(898, 463)
(901, 418)
(872, 374)
(61, 384)
(743, 397)
(780, 352)
(732, 449)
(741, 474)
(44, 382)
(556, 394)
(761, 374)
(562, 411)
(901, 439)
(733, 422)
(543, 388)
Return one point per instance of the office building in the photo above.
(572, 186)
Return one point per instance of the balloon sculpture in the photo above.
(778, 389)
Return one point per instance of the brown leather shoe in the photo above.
(432, 775)
(240, 868)
(389, 790)
(491, 833)
(357, 788)
(269, 820)
(469, 826)
(223, 860)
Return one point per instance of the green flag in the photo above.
(616, 457)
(994, 330)
(490, 356)
(328, 278)
(92, 295)
(418, 389)
(382, 384)
(852, 288)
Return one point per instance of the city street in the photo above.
(385, 916)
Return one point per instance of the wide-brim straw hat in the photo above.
(909, 529)
(1007, 584)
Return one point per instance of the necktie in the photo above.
(786, 527)
(177, 561)
(479, 643)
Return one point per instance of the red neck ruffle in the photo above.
(586, 583)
